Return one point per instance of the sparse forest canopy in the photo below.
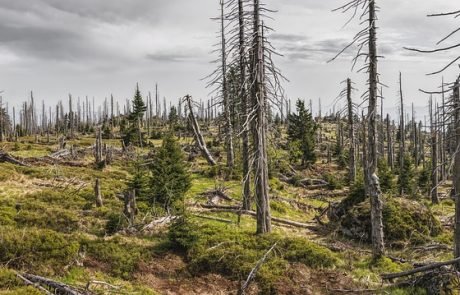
(238, 192)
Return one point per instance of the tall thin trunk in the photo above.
(378, 247)
(434, 157)
(225, 96)
(244, 109)
(402, 134)
(259, 128)
(390, 155)
(351, 134)
(456, 169)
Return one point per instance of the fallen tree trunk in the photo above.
(419, 269)
(29, 283)
(236, 210)
(60, 288)
(5, 157)
(305, 183)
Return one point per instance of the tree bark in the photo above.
(456, 170)
(259, 127)
(351, 135)
(244, 109)
(378, 247)
(97, 193)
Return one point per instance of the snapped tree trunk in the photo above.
(198, 136)
(97, 193)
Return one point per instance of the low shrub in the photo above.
(35, 249)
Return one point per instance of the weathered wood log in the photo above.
(237, 210)
(5, 157)
(30, 283)
(425, 268)
(305, 183)
(60, 288)
(213, 218)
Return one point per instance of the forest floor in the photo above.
(49, 226)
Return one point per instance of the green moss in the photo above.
(21, 291)
(8, 279)
(404, 221)
(36, 248)
(233, 252)
(56, 219)
(121, 257)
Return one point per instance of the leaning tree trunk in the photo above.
(351, 135)
(456, 169)
(378, 248)
(244, 109)
(259, 127)
(198, 136)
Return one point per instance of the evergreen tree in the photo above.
(173, 118)
(133, 134)
(407, 180)
(301, 133)
(169, 178)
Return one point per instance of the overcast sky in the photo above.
(99, 47)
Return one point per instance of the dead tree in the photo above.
(367, 37)
(434, 157)
(456, 168)
(97, 193)
(242, 61)
(196, 131)
(259, 125)
(98, 147)
(402, 133)
(130, 207)
(390, 150)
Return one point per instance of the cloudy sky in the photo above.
(99, 47)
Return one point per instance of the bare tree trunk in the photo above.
(402, 141)
(390, 144)
(244, 109)
(98, 147)
(456, 169)
(97, 193)
(351, 135)
(225, 96)
(378, 247)
(434, 158)
(130, 207)
(259, 127)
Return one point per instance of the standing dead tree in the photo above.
(368, 37)
(434, 157)
(219, 81)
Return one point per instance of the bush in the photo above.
(58, 220)
(115, 223)
(37, 248)
(404, 221)
(233, 252)
(121, 257)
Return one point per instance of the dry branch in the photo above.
(419, 269)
